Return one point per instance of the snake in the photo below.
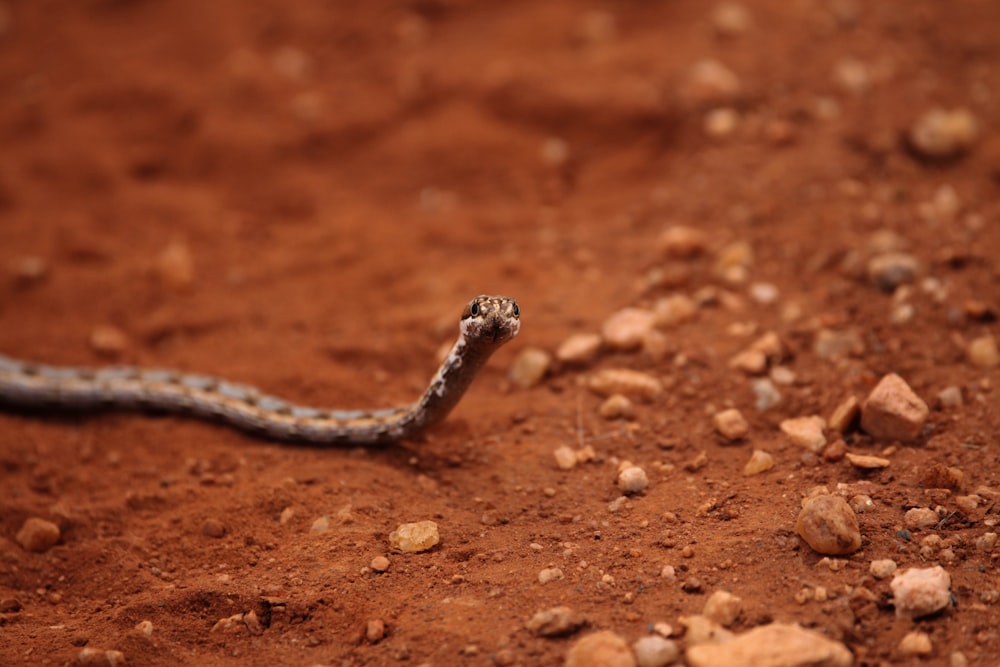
(487, 322)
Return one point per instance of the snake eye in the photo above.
(516, 311)
(474, 309)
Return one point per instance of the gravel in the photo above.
(617, 406)
(415, 537)
(627, 382)
(723, 607)
(806, 432)
(731, 425)
(889, 270)
(882, 568)
(626, 329)
(893, 411)
(828, 525)
(632, 480)
(579, 349)
(600, 649)
(915, 643)
(529, 367)
(920, 517)
(941, 134)
(774, 645)
(982, 352)
(654, 651)
(760, 461)
(550, 574)
(554, 622)
(919, 592)
(38, 535)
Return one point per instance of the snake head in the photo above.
(490, 319)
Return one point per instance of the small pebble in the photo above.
(767, 395)
(892, 411)
(379, 564)
(942, 134)
(626, 329)
(565, 457)
(751, 362)
(654, 651)
(892, 269)
(415, 537)
(699, 629)
(773, 645)
(882, 568)
(828, 525)
(866, 462)
(920, 517)
(30, 269)
(731, 19)
(617, 406)
(681, 242)
(861, 503)
(108, 340)
(919, 592)
(673, 310)
(710, 83)
(96, 657)
(213, 528)
(10, 606)
(982, 352)
(374, 630)
(320, 525)
(845, 416)
(37, 535)
(723, 607)
(720, 122)
(529, 367)
(852, 75)
(632, 480)
(549, 574)
(986, 542)
(625, 381)
(915, 643)
(175, 266)
(830, 344)
(782, 375)
(145, 628)
(733, 262)
(600, 649)
(835, 451)
(760, 461)
(731, 425)
(554, 622)
(579, 349)
(806, 432)
(950, 397)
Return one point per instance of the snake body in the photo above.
(486, 323)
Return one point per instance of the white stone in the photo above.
(919, 592)
(731, 425)
(580, 348)
(723, 607)
(882, 568)
(600, 649)
(529, 367)
(915, 643)
(654, 651)
(760, 461)
(806, 432)
(415, 537)
(565, 457)
(632, 480)
(626, 329)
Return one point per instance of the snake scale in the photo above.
(486, 323)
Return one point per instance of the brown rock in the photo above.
(828, 525)
(893, 411)
(600, 649)
(38, 535)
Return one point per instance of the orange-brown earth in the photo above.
(302, 196)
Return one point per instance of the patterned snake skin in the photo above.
(487, 323)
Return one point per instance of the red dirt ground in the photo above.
(343, 178)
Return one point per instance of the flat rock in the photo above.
(773, 645)
(893, 411)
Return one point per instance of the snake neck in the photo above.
(448, 385)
